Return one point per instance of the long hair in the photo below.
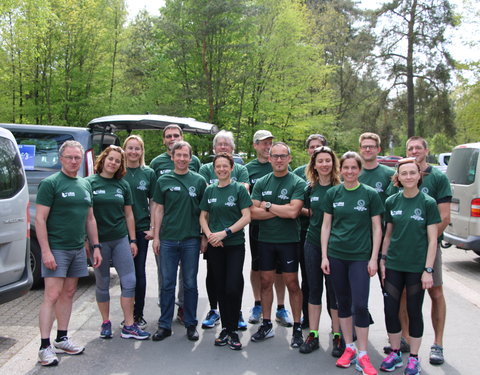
(311, 172)
(99, 163)
(142, 146)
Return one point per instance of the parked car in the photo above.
(39, 146)
(443, 159)
(15, 273)
(389, 160)
(463, 172)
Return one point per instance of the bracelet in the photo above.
(383, 257)
(133, 241)
(97, 246)
(152, 227)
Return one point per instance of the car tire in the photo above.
(445, 245)
(35, 263)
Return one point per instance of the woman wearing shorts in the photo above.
(112, 207)
(224, 213)
(142, 181)
(408, 255)
(350, 239)
(322, 173)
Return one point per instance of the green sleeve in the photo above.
(46, 193)
(376, 205)
(299, 191)
(243, 175)
(153, 181)
(203, 171)
(243, 197)
(257, 190)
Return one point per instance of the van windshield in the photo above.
(462, 166)
(40, 150)
(11, 173)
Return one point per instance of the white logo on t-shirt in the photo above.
(417, 215)
(360, 205)
(192, 191)
(68, 194)
(379, 187)
(142, 185)
(231, 201)
(283, 194)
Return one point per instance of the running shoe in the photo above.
(404, 347)
(436, 355)
(310, 344)
(134, 332)
(234, 342)
(338, 346)
(413, 366)
(67, 346)
(283, 318)
(256, 315)
(365, 366)
(297, 338)
(348, 357)
(242, 326)
(212, 319)
(222, 338)
(47, 356)
(106, 332)
(141, 323)
(180, 314)
(265, 331)
(391, 362)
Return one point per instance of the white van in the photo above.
(463, 172)
(15, 273)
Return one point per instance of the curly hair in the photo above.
(312, 173)
(99, 163)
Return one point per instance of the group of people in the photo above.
(343, 220)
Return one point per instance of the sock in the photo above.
(45, 343)
(61, 335)
(279, 307)
(396, 351)
(267, 321)
(351, 346)
(297, 326)
(362, 353)
(336, 334)
(258, 303)
(315, 333)
(414, 355)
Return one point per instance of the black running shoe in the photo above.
(310, 344)
(297, 338)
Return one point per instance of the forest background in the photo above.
(293, 67)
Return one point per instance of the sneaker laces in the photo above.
(391, 357)
(412, 362)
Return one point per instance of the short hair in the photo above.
(172, 126)
(226, 135)
(181, 144)
(372, 136)
(396, 182)
(279, 144)
(224, 155)
(312, 173)
(417, 138)
(320, 137)
(142, 145)
(99, 163)
(351, 155)
(70, 144)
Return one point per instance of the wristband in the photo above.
(229, 232)
(97, 246)
(133, 241)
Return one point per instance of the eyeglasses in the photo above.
(169, 136)
(279, 156)
(72, 158)
(369, 147)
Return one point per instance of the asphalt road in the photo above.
(19, 337)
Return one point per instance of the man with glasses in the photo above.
(63, 220)
(277, 201)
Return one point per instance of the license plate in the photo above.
(454, 207)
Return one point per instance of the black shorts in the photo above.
(282, 257)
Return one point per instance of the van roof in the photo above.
(469, 145)
(43, 128)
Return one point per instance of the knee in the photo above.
(436, 294)
(69, 292)
(266, 281)
(292, 285)
(51, 296)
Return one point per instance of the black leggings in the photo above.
(395, 282)
(227, 266)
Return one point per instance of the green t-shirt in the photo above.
(313, 200)
(69, 200)
(378, 178)
(351, 230)
(279, 190)
(304, 220)
(163, 164)
(181, 196)
(300, 172)
(110, 196)
(142, 182)
(257, 170)
(409, 242)
(224, 206)
(239, 173)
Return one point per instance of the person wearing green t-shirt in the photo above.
(177, 239)
(408, 255)
(322, 173)
(142, 181)
(224, 213)
(313, 141)
(223, 142)
(277, 201)
(112, 206)
(350, 240)
(64, 217)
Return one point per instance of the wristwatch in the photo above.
(267, 206)
(97, 246)
(133, 241)
(229, 232)
(428, 269)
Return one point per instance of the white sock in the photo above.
(362, 353)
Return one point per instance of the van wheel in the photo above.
(35, 263)
(477, 252)
(445, 245)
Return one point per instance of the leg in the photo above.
(360, 288)
(235, 257)
(51, 294)
(415, 296)
(439, 313)
(295, 294)
(393, 289)
(255, 278)
(102, 281)
(169, 260)
(63, 307)
(314, 275)
(189, 253)
(267, 280)
(140, 276)
(305, 283)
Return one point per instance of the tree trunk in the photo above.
(410, 84)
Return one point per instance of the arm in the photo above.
(217, 237)
(287, 211)
(42, 236)
(208, 233)
(92, 234)
(444, 210)
(324, 237)
(259, 213)
(149, 233)
(432, 232)
(385, 247)
(131, 228)
(158, 211)
(377, 242)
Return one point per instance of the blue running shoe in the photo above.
(283, 318)
(212, 319)
(134, 332)
(242, 326)
(256, 315)
(106, 332)
(413, 366)
(391, 362)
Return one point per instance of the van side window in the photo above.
(462, 166)
(11, 173)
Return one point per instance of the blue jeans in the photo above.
(141, 286)
(186, 252)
